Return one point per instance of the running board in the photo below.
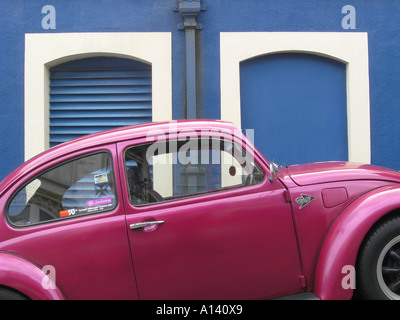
(300, 296)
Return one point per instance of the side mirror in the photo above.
(274, 171)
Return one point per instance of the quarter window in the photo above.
(199, 166)
(79, 187)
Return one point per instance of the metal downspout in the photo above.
(189, 10)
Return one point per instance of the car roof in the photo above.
(113, 136)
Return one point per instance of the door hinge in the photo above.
(287, 196)
(303, 282)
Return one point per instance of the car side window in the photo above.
(78, 187)
(171, 170)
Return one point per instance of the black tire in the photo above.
(9, 294)
(378, 267)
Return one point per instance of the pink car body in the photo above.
(291, 234)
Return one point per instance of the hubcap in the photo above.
(388, 269)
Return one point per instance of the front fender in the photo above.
(343, 240)
(27, 278)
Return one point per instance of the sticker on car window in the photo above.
(99, 202)
(100, 178)
(66, 213)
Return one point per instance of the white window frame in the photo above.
(349, 48)
(43, 51)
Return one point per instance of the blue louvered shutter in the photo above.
(96, 94)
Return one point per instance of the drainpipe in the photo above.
(189, 10)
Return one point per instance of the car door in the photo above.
(211, 228)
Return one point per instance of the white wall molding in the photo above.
(43, 51)
(347, 47)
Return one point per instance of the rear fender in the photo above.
(27, 278)
(338, 253)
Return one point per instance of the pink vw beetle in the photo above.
(190, 210)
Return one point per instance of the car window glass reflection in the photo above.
(197, 166)
(79, 187)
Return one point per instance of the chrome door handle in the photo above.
(139, 225)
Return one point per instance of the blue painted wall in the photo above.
(380, 18)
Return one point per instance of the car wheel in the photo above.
(378, 272)
(9, 294)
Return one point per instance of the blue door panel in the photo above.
(296, 103)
